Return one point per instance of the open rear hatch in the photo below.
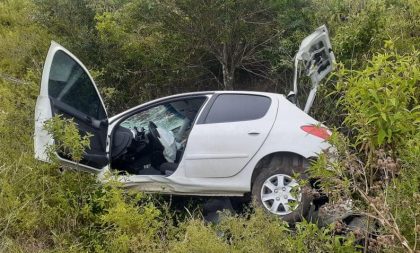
(315, 59)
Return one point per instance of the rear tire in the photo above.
(278, 193)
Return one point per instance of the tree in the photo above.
(232, 33)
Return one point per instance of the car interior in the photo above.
(152, 141)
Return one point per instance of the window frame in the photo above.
(117, 122)
(203, 117)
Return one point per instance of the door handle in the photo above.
(253, 133)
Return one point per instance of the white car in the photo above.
(216, 143)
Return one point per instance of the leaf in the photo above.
(415, 108)
(393, 101)
(383, 115)
(371, 119)
(389, 135)
(381, 136)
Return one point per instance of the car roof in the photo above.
(187, 94)
(220, 92)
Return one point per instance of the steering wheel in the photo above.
(154, 132)
(157, 157)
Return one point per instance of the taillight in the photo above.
(318, 131)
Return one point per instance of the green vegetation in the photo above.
(67, 138)
(143, 49)
(378, 164)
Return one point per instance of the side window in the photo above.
(237, 107)
(70, 84)
(171, 116)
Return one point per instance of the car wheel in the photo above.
(279, 193)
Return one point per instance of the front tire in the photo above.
(278, 193)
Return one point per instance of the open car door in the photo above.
(316, 59)
(67, 89)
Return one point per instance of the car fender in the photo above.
(286, 136)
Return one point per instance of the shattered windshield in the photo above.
(163, 116)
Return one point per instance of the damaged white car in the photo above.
(216, 143)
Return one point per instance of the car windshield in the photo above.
(163, 116)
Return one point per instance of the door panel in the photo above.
(67, 89)
(223, 149)
(95, 155)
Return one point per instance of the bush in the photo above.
(67, 138)
(377, 165)
(381, 100)
(259, 232)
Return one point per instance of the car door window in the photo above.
(71, 85)
(237, 107)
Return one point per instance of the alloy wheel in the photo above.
(281, 194)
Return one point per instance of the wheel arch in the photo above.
(274, 157)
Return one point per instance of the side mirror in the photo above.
(104, 123)
(292, 97)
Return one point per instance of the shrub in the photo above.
(381, 100)
(68, 140)
(259, 232)
(377, 165)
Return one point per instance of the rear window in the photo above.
(237, 107)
